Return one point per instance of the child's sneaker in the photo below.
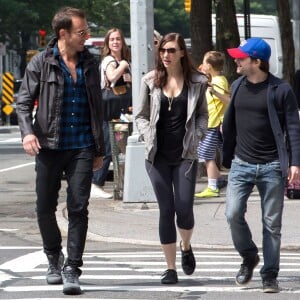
(208, 193)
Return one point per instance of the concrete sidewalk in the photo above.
(115, 221)
(137, 223)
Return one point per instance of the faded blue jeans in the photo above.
(270, 184)
(99, 176)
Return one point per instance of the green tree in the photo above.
(287, 42)
(170, 16)
(265, 7)
(227, 34)
(201, 29)
(20, 21)
(106, 14)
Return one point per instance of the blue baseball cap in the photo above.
(253, 47)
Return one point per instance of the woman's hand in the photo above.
(127, 77)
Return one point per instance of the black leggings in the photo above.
(174, 187)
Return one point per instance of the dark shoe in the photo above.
(221, 183)
(70, 277)
(245, 273)
(188, 261)
(56, 262)
(169, 277)
(270, 285)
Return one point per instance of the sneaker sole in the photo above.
(271, 290)
(215, 196)
(57, 280)
(169, 282)
(72, 291)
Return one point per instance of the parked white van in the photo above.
(266, 27)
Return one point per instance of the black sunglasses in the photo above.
(169, 50)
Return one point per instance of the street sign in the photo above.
(7, 109)
(7, 92)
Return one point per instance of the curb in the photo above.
(95, 237)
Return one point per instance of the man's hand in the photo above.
(31, 144)
(294, 174)
(98, 162)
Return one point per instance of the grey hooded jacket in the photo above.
(148, 115)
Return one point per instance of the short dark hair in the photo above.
(63, 18)
(264, 65)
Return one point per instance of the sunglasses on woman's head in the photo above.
(168, 50)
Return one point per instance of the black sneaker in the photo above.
(188, 262)
(245, 273)
(70, 276)
(221, 183)
(56, 262)
(270, 285)
(169, 277)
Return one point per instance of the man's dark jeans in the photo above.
(77, 165)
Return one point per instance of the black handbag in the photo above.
(114, 105)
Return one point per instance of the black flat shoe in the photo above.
(188, 261)
(169, 277)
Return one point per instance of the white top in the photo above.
(106, 60)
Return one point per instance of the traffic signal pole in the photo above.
(247, 24)
(137, 185)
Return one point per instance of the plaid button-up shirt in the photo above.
(75, 125)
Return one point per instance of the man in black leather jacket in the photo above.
(65, 136)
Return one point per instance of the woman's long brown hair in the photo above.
(125, 52)
(186, 62)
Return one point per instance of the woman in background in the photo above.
(115, 70)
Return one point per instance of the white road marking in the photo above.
(17, 167)
(146, 288)
(19, 247)
(25, 262)
(8, 229)
(137, 270)
(11, 140)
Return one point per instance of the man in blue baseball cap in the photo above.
(253, 47)
(262, 111)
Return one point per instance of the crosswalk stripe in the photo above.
(113, 269)
(11, 140)
(144, 288)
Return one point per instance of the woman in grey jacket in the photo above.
(172, 119)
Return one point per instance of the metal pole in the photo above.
(247, 25)
(296, 31)
(141, 20)
(137, 186)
